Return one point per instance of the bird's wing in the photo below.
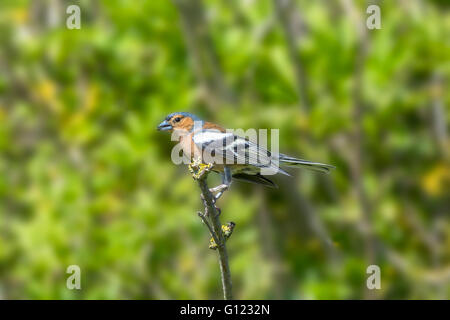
(205, 138)
(232, 149)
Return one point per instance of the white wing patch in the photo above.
(206, 137)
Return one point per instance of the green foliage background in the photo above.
(86, 179)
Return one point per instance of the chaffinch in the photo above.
(233, 157)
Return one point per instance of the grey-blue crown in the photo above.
(186, 114)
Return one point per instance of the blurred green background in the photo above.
(86, 179)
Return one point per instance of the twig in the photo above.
(292, 23)
(205, 221)
(212, 221)
(199, 44)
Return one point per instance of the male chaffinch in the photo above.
(239, 158)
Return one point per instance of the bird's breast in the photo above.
(188, 146)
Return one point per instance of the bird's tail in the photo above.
(294, 162)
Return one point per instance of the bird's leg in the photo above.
(226, 182)
(220, 189)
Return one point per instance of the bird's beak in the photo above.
(165, 126)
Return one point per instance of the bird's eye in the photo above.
(177, 119)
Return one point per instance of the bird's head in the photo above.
(178, 121)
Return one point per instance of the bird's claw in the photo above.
(220, 190)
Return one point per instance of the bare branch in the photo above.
(211, 231)
(202, 53)
(292, 24)
(212, 213)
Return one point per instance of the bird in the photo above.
(236, 157)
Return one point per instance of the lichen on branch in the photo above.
(211, 218)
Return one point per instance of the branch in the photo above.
(358, 137)
(206, 222)
(203, 54)
(212, 221)
(293, 26)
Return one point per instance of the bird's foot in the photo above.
(198, 169)
(220, 189)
